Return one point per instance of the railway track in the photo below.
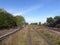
(29, 40)
(48, 42)
(53, 30)
(3, 36)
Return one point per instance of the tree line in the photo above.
(7, 20)
(53, 22)
(50, 22)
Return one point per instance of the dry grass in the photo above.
(54, 38)
(19, 38)
(36, 39)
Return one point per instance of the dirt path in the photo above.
(29, 40)
(48, 42)
(34, 39)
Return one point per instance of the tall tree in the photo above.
(6, 19)
(57, 21)
(57, 17)
(20, 20)
(50, 21)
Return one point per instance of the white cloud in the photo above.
(31, 20)
(28, 10)
(35, 19)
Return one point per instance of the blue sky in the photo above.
(32, 10)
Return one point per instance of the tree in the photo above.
(50, 21)
(44, 24)
(53, 22)
(39, 23)
(26, 23)
(57, 17)
(57, 21)
(34, 23)
(6, 19)
(20, 20)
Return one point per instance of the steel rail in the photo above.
(9, 33)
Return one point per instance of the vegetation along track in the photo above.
(49, 43)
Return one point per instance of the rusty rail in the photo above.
(9, 33)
